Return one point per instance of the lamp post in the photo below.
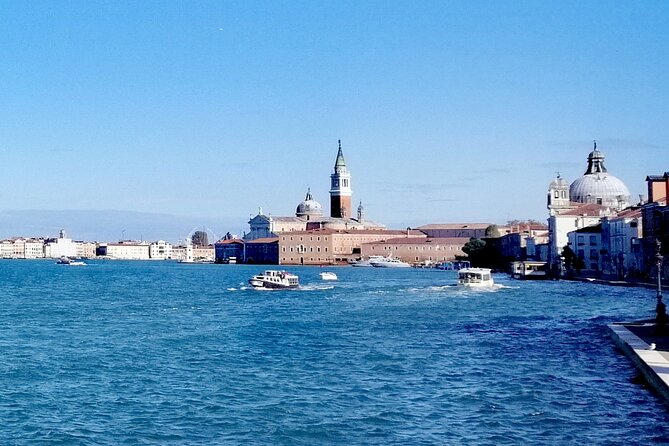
(661, 308)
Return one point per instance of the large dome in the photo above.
(598, 186)
(309, 207)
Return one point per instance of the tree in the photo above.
(200, 238)
(492, 231)
(475, 250)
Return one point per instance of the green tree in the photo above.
(492, 231)
(475, 249)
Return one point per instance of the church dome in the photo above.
(309, 207)
(598, 186)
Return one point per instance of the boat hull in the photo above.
(263, 284)
(274, 280)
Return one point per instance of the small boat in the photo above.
(475, 277)
(530, 270)
(328, 275)
(389, 262)
(272, 279)
(366, 263)
(70, 262)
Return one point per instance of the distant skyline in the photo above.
(447, 111)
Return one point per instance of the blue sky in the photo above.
(447, 111)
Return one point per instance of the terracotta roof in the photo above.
(588, 210)
(229, 241)
(424, 241)
(456, 226)
(628, 213)
(328, 231)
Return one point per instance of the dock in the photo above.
(648, 350)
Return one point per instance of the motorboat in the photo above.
(530, 270)
(273, 279)
(389, 262)
(475, 277)
(328, 275)
(367, 262)
(70, 262)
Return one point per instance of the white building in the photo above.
(126, 250)
(160, 250)
(60, 247)
(34, 249)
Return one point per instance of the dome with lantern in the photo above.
(598, 186)
(309, 207)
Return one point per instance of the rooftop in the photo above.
(426, 240)
(455, 226)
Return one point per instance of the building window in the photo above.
(557, 194)
(593, 240)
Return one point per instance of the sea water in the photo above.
(164, 353)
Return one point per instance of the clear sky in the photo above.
(447, 111)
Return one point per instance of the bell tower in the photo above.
(558, 195)
(340, 188)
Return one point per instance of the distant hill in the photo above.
(110, 225)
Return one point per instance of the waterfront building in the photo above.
(331, 246)
(203, 253)
(6, 249)
(655, 217)
(85, 250)
(227, 249)
(262, 251)
(34, 248)
(584, 202)
(22, 248)
(179, 253)
(587, 245)
(60, 247)
(127, 250)
(417, 249)
(517, 237)
(160, 250)
(621, 244)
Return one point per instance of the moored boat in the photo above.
(475, 277)
(529, 270)
(273, 279)
(365, 262)
(389, 262)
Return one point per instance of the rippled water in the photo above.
(159, 353)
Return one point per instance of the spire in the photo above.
(361, 213)
(340, 158)
(308, 197)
